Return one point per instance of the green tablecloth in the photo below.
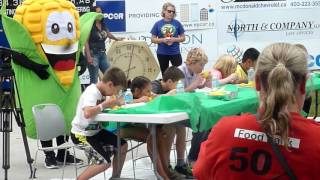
(313, 83)
(186, 102)
(212, 109)
(203, 110)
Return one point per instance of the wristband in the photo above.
(101, 107)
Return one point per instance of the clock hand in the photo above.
(131, 55)
(130, 69)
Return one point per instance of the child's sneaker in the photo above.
(69, 160)
(185, 170)
(50, 162)
(174, 175)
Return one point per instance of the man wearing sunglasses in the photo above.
(168, 33)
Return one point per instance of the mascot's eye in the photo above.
(70, 27)
(55, 28)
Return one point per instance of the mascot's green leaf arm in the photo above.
(47, 36)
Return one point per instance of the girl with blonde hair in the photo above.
(224, 69)
(240, 146)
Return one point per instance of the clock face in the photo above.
(134, 58)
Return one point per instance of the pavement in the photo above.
(19, 168)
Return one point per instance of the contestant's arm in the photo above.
(91, 111)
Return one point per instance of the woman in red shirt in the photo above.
(237, 147)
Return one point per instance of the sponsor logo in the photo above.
(114, 14)
(144, 15)
(211, 8)
(229, 1)
(236, 52)
(231, 5)
(196, 16)
(192, 39)
(11, 6)
(83, 6)
(193, 12)
(237, 27)
(314, 61)
(233, 27)
(262, 137)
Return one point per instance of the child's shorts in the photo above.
(104, 143)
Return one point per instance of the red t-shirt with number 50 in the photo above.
(237, 148)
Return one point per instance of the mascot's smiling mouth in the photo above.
(61, 58)
(62, 62)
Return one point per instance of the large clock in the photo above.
(134, 58)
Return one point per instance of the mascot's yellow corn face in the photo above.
(54, 28)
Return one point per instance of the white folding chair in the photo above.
(135, 158)
(50, 124)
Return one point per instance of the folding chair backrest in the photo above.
(49, 120)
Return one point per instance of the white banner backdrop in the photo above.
(195, 14)
(248, 5)
(231, 30)
(238, 31)
(277, 25)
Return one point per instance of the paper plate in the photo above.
(133, 105)
(217, 94)
(125, 106)
(316, 73)
(251, 85)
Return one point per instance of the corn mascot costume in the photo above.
(48, 36)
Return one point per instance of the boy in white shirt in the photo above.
(85, 129)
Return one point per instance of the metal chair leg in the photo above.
(75, 164)
(133, 162)
(64, 163)
(35, 165)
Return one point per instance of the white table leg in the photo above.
(154, 150)
(118, 146)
